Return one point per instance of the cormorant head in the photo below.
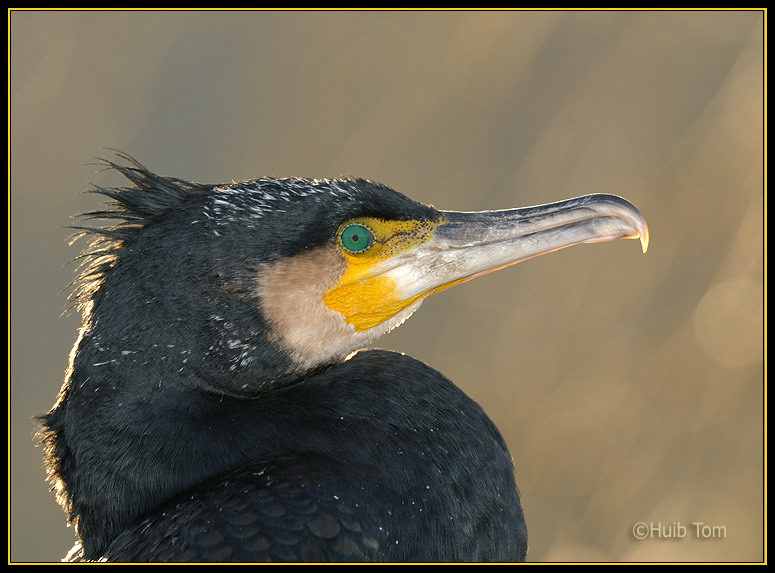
(273, 278)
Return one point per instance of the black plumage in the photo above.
(348, 470)
(190, 428)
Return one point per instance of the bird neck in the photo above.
(129, 433)
(135, 425)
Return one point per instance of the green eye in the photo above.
(356, 238)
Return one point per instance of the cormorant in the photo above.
(217, 407)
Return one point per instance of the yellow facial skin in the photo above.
(364, 295)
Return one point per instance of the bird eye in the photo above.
(356, 238)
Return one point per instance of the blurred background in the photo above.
(629, 387)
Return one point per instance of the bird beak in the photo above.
(463, 246)
(467, 245)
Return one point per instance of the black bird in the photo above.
(215, 407)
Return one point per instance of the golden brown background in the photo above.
(628, 386)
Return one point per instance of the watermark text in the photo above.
(678, 530)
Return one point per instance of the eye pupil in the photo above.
(356, 238)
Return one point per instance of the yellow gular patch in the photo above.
(364, 295)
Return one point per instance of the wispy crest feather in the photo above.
(130, 208)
